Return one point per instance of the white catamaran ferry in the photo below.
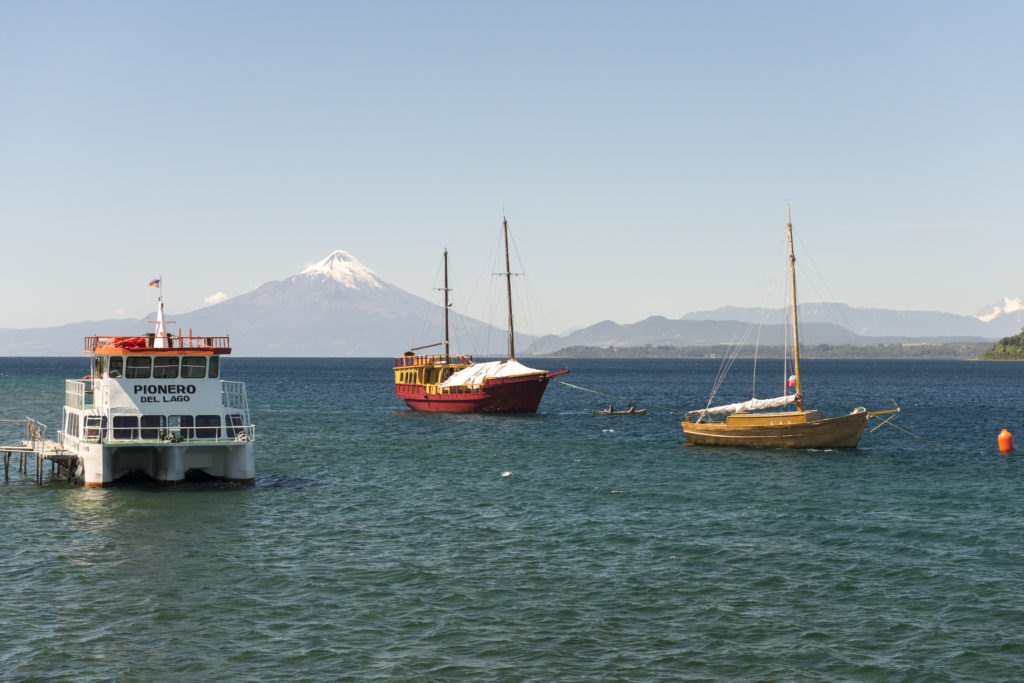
(155, 405)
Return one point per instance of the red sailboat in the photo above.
(457, 384)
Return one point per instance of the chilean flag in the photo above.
(154, 283)
(791, 382)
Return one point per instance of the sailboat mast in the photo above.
(447, 346)
(508, 287)
(792, 287)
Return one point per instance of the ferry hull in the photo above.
(835, 432)
(103, 464)
(504, 395)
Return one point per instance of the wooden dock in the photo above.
(35, 447)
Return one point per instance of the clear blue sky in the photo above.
(642, 151)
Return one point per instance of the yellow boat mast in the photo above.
(796, 333)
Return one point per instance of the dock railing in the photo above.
(31, 430)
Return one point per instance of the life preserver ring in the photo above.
(87, 378)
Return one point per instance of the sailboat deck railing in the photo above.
(431, 359)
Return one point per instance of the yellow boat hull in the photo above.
(779, 430)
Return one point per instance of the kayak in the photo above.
(618, 412)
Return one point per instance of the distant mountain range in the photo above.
(998, 320)
(820, 323)
(660, 331)
(339, 307)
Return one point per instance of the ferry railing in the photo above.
(78, 393)
(147, 342)
(232, 395)
(226, 434)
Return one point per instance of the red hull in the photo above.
(500, 395)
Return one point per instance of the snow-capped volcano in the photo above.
(345, 269)
(1007, 305)
(336, 307)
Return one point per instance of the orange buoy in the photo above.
(1005, 441)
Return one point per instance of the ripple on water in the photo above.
(388, 544)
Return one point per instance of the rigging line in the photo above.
(429, 320)
(892, 424)
(732, 353)
(529, 310)
(726, 364)
(735, 347)
(757, 348)
(621, 398)
(481, 300)
(845, 324)
(462, 329)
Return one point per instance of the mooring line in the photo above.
(621, 398)
(893, 424)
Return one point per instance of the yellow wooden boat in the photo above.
(798, 428)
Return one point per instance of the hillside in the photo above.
(949, 351)
(1007, 348)
(684, 332)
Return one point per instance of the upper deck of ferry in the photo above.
(152, 343)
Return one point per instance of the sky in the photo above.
(643, 152)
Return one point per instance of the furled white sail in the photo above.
(752, 404)
(478, 372)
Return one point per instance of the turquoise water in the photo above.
(379, 543)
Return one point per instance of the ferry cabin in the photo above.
(156, 405)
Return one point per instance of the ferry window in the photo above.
(214, 366)
(116, 365)
(207, 426)
(126, 426)
(93, 424)
(97, 367)
(193, 366)
(234, 425)
(165, 367)
(152, 426)
(138, 367)
(180, 426)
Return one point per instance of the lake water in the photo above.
(379, 543)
